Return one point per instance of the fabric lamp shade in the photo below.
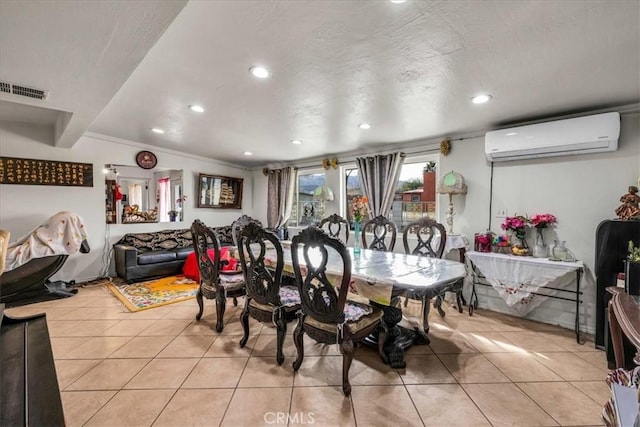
(452, 183)
(324, 193)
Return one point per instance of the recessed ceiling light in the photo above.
(196, 108)
(364, 126)
(296, 141)
(398, 1)
(259, 72)
(157, 130)
(247, 153)
(480, 99)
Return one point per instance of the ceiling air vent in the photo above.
(29, 92)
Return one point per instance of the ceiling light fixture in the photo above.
(247, 153)
(481, 99)
(259, 72)
(398, 1)
(364, 126)
(196, 108)
(157, 130)
(296, 141)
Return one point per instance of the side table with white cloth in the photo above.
(523, 282)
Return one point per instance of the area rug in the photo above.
(153, 293)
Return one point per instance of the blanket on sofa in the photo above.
(61, 234)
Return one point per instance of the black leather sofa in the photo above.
(140, 256)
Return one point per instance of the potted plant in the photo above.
(632, 270)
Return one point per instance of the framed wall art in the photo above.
(219, 192)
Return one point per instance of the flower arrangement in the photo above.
(516, 224)
(543, 220)
(359, 208)
(501, 241)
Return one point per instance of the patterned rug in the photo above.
(153, 293)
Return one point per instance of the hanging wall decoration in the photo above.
(445, 147)
(14, 170)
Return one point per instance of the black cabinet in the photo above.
(612, 244)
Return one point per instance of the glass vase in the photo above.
(521, 248)
(540, 250)
(357, 242)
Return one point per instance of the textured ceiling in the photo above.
(408, 69)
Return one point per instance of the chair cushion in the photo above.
(232, 281)
(154, 257)
(364, 321)
(289, 297)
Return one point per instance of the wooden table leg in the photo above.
(616, 337)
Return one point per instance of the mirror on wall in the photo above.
(134, 195)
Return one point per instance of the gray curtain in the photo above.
(378, 178)
(280, 188)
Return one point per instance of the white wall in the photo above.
(24, 207)
(580, 190)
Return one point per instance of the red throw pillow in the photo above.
(190, 268)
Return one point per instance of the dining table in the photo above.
(383, 278)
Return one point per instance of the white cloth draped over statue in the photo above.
(61, 234)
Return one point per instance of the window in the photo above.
(415, 191)
(306, 209)
(352, 190)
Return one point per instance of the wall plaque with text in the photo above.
(15, 170)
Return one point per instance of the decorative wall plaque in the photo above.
(14, 170)
(146, 160)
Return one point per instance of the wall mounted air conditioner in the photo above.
(589, 134)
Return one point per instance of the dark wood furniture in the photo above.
(379, 227)
(612, 245)
(213, 283)
(425, 229)
(266, 300)
(431, 239)
(29, 393)
(239, 224)
(323, 316)
(624, 319)
(335, 224)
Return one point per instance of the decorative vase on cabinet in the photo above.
(540, 250)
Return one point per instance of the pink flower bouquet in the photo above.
(543, 220)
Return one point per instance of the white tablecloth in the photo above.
(515, 278)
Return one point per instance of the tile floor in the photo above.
(160, 367)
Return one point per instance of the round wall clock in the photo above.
(146, 160)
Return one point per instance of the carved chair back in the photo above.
(379, 227)
(321, 298)
(239, 224)
(203, 239)
(261, 283)
(336, 227)
(425, 229)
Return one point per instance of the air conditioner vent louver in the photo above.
(29, 92)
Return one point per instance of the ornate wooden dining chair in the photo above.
(431, 238)
(267, 300)
(213, 283)
(326, 315)
(336, 226)
(379, 227)
(239, 224)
